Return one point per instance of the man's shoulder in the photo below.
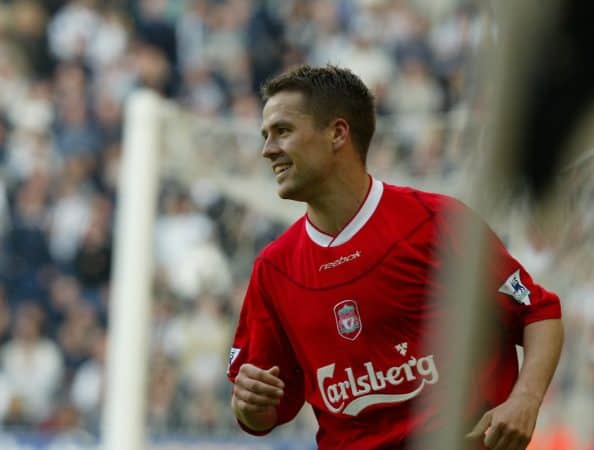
(433, 202)
(285, 243)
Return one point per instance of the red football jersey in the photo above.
(348, 318)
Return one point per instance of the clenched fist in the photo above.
(256, 394)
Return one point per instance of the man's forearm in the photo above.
(542, 348)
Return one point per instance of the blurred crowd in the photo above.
(66, 68)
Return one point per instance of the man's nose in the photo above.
(270, 148)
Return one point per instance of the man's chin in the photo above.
(285, 194)
(288, 192)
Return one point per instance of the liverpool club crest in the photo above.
(348, 320)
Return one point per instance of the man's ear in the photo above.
(340, 130)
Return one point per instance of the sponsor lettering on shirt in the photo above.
(353, 393)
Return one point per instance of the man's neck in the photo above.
(331, 211)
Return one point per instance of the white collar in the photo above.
(362, 216)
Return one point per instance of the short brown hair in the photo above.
(331, 92)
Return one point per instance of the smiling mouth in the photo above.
(281, 169)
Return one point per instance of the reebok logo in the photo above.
(339, 261)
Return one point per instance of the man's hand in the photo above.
(510, 425)
(256, 394)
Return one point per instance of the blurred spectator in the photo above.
(416, 98)
(226, 40)
(5, 316)
(365, 57)
(191, 32)
(34, 113)
(28, 29)
(76, 335)
(33, 368)
(87, 388)
(414, 43)
(163, 383)
(156, 46)
(4, 219)
(246, 107)
(108, 170)
(4, 134)
(186, 250)
(265, 43)
(197, 341)
(29, 154)
(204, 413)
(535, 251)
(64, 296)
(13, 82)
(109, 40)
(27, 244)
(327, 40)
(71, 83)
(69, 219)
(152, 67)
(75, 132)
(72, 29)
(202, 93)
(300, 29)
(92, 261)
(108, 116)
(452, 40)
(64, 418)
(428, 155)
(6, 399)
(155, 29)
(164, 309)
(203, 269)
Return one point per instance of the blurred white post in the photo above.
(130, 305)
(521, 27)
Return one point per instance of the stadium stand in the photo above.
(66, 68)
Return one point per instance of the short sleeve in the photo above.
(260, 340)
(519, 299)
(530, 301)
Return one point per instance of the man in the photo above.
(343, 310)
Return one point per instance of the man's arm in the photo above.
(510, 425)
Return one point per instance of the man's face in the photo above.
(300, 153)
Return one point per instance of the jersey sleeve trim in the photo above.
(549, 307)
(248, 430)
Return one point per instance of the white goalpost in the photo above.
(130, 302)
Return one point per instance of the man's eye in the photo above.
(282, 131)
